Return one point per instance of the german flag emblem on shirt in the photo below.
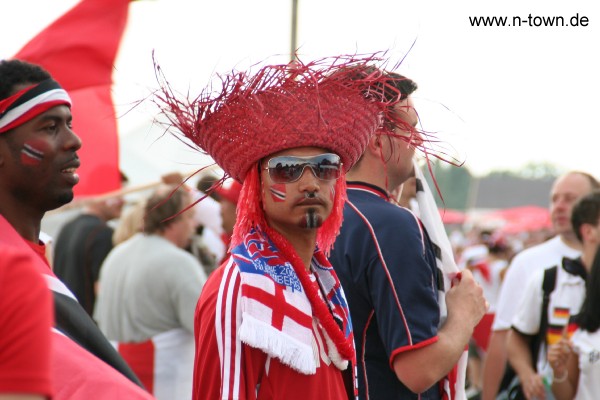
(561, 313)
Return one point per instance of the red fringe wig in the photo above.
(250, 212)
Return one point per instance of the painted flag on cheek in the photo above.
(278, 192)
(79, 51)
(32, 152)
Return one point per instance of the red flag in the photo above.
(79, 50)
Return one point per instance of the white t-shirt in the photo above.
(522, 267)
(587, 346)
(565, 300)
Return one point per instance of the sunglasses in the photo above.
(288, 169)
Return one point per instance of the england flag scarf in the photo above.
(278, 302)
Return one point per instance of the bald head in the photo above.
(567, 189)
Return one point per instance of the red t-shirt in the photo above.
(78, 374)
(225, 368)
(26, 316)
(75, 373)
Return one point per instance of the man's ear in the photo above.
(587, 232)
(374, 145)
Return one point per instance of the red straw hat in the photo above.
(321, 104)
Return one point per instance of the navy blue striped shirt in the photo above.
(387, 268)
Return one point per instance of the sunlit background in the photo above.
(501, 97)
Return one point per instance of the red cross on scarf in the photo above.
(283, 309)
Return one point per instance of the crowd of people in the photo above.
(317, 267)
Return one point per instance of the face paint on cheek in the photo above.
(33, 152)
(311, 220)
(332, 194)
(278, 192)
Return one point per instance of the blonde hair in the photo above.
(130, 223)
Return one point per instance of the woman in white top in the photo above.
(576, 363)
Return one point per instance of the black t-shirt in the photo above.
(81, 247)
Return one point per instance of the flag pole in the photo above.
(85, 200)
(294, 33)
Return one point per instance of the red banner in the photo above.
(79, 50)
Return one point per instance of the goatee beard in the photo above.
(311, 220)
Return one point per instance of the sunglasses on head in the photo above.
(288, 169)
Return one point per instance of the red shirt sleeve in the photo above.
(26, 316)
(224, 368)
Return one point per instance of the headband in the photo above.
(31, 102)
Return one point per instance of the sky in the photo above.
(500, 97)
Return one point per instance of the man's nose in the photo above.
(72, 141)
(308, 181)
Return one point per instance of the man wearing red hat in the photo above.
(274, 315)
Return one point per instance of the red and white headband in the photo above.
(31, 102)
